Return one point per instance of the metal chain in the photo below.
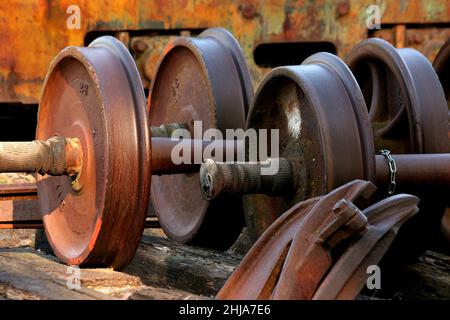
(392, 170)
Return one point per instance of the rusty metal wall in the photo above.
(33, 31)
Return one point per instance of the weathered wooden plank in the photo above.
(153, 293)
(163, 269)
(31, 276)
(16, 238)
(426, 279)
(163, 263)
(25, 274)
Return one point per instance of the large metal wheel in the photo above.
(95, 94)
(320, 113)
(199, 79)
(408, 112)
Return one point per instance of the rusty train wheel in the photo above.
(95, 94)
(404, 119)
(320, 113)
(408, 112)
(230, 42)
(199, 79)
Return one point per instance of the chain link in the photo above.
(392, 170)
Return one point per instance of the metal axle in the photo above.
(57, 156)
(60, 156)
(413, 171)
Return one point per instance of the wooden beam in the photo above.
(163, 269)
(428, 278)
(163, 263)
(25, 274)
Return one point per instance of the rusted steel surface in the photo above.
(393, 111)
(220, 178)
(147, 51)
(162, 164)
(416, 172)
(394, 82)
(316, 106)
(296, 258)
(346, 278)
(406, 119)
(426, 39)
(37, 30)
(199, 79)
(24, 191)
(95, 94)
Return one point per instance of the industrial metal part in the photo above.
(400, 116)
(95, 94)
(199, 79)
(95, 155)
(318, 248)
(93, 103)
(348, 275)
(219, 178)
(316, 107)
(393, 82)
(36, 31)
(392, 171)
(406, 119)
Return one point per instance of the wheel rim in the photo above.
(314, 109)
(90, 94)
(414, 121)
(198, 80)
